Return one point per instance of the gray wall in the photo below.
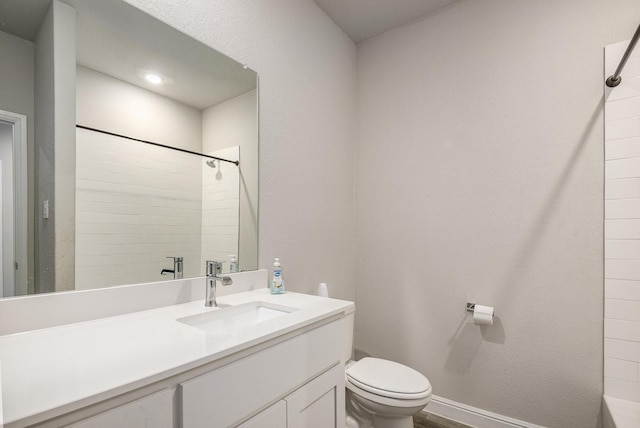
(307, 81)
(55, 149)
(17, 96)
(65, 144)
(480, 179)
(44, 158)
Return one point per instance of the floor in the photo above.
(427, 420)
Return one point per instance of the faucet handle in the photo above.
(214, 268)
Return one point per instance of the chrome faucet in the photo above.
(213, 272)
(177, 268)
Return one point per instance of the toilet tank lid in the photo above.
(388, 375)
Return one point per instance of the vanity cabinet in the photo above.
(284, 372)
(318, 404)
(305, 371)
(155, 410)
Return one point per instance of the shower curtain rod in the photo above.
(615, 79)
(236, 163)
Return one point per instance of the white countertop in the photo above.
(54, 368)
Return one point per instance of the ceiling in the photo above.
(191, 69)
(116, 39)
(363, 19)
(22, 18)
(360, 19)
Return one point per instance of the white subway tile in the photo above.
(622, 349)
(135, 183)
(622, 189)
(622, 168)
(627, 310)
(613, 53)
(622, 149)
(623, 330)
(622, 208)
(622, 269)
(623, 389)
(631, 68)
(621, 249)
(622, 229)
(622, 109)
(621, 128)
(621, 369)
(630, 87)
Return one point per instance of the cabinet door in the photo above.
(230, 393)
(272, 417)
(155, 411)
(319, 403)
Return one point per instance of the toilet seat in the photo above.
(388, 379)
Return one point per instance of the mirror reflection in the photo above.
(161, 172)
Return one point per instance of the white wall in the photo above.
(622, 218)
(113, 105)
(479, 179)
(306, 67)
(234, 123)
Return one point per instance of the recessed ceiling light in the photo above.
(153, 78)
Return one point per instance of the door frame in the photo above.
(20, 196)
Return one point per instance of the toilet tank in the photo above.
(347, 350)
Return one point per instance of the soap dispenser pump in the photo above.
(277, 282)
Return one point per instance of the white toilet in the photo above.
(381, 393)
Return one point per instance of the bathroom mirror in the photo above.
(148, 177)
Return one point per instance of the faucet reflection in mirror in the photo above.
(177, 268)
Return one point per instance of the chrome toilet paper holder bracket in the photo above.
(471, 307)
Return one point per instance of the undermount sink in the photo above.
(232, 317)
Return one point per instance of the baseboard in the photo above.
(472, 416)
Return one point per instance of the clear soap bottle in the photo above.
(277, 282)
(233, 264)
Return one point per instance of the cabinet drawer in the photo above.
(155, 410)
(228, 394)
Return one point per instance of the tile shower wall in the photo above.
(221, 208)
(622, 228)
(136, 205)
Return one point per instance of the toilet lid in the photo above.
(388, 378)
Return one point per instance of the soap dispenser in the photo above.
(277, 282)
(233, 264)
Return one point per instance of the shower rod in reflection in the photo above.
(237, 163)
(615, 79)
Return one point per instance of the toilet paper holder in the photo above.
(471, 307)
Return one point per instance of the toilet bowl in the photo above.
(382, 393)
